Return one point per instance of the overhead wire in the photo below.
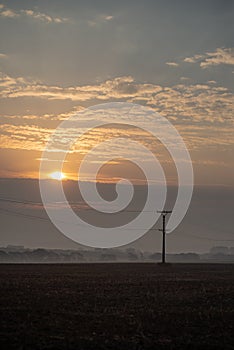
(25, 202)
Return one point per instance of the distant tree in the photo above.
(75, 257)
(155, 256)
(3, 256)
(184, 257)
(39, 255)
(219, 250)
(108, 257)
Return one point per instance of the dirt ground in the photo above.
(116, 306)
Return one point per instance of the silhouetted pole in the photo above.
(164, 241)
(164, 214)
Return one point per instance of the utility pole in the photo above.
(163, 230)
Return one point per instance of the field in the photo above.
(116, 306)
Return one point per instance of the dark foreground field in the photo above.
(116, 306)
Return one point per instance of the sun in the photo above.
(57, 175)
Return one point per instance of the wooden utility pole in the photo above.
(163, 230)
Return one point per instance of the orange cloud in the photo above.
(215, 58)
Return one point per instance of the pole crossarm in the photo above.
(164, 211)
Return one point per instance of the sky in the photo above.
(175, 57)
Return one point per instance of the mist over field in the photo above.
(207, 223)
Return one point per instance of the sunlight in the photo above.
(57, 175)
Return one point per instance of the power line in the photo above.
(16, 213)
(13, 212)
(10, 200)
(206, 238)
(17, 201)
(30, 216)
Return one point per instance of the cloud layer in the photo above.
(182, 102)
(203, 113)
(9, 13)
(215, 58)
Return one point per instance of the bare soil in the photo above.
(116, 306)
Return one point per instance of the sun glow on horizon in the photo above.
(57, 175)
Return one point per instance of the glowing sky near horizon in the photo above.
(57, 58)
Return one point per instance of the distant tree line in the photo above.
(19, 254)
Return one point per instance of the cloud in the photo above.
(172, 64)
(23, 137)
(193, 59)
(109, 18)
(203, 113)
(184, 78)
(9, 13)
(211, 82)
(219, 56)
(182, 103)
(43, 17)
(99, 20)
(6, 81)
(117, 88)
